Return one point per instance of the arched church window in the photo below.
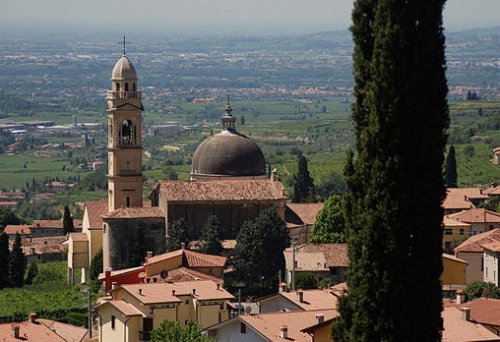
(134, 88)
(126, 86)
(117, 86)
(127, 133)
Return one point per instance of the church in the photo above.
(228, 179)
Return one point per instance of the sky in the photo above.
(242, 16)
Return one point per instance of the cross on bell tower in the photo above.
(124, 136)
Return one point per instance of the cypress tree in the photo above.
(4, 260)
(177, 234)
(17, 263)
(31, 273)
(303, 186)
(68, 225)
(138, 248)
(96, 266)
(211, 234)
(396, 183)
(451, 168)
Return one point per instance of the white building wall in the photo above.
(231, 332)
(490, 267)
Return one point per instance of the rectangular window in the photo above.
(448, 232)
(461, 231)
(113, 322)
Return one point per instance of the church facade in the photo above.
(228, 180)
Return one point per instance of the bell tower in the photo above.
(124, 137)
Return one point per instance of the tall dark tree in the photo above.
(17, 263)
(4, 260)
(31, 273)
(7, 217)
(451, 168)
(212, 235)
(138, 247)
(303, 186)
(96, 266)
(259, 251)
(68, 225)
(177, 234)
(396, 182)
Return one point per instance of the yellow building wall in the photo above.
(78, 254)
(453, 272)
(452, 234)
(186, 309)
(107, 333)
(156, 268)
(209, 314)
(323, 334)
(160, 315)
(134, 325)
(95, 238)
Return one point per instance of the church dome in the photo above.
(124, 70)
(228, 153)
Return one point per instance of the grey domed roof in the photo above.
(124, 70)
(229, 154)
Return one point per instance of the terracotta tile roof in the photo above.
(258, 189)
(484, 310)
(448, 222)
(134, 212)
(475, 242)
(78, 237)
(339, 289)
(43, 245)
(456, 329)
(297, 214)
(493, 191)
(318, 257)
(269, 324)
(95, 209)
(122, 271)
(125, 308)
(476, 215)
(153, 293)
(28, 331)
(493, 246)
(184, 274)
(67, 331)
(193, 259)
(457, 199)
(12, 229)
(313, 299)
(54, 223)
(454, 258)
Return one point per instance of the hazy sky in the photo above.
(217, 15)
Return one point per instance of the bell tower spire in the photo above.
(124, 137)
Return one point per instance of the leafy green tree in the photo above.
(305, 280)
(7, 217)
(480, 289)
(31, 273)
(330, 222)
(396, 182)
(211, 234)
(259, 250)
(334, 184)
(96, 266)
(177, 234)
(451, 168)
(303, 186)
(170, 331)
(4, 260)
(68, 225)
(17, 263)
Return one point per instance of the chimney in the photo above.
(114, 285)
(218, 286)
(149, 254)
(466, 314)
(194, 292)
(15, 330)
(155, 280)
(300, 296)
(107, 280)
(460, 296)
(140, 292)
(284, 331)
(282, 287)
(32, 317)
(183, 245)
(320, 318)
(274, 175)
(173, 292)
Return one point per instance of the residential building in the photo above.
(485, 311)
(458, 327)
(458, 199)
(491, 256)
(471, 251)
(300, 218)
(299, 326)
(134, 310)
(325, 260)
(454, 233)
(454, 270)
(481, 220)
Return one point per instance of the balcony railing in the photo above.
(115, 95)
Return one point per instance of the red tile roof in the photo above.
(193, 259)
(95, 209)
(258, 189)
(448, 222)
(458, 199)
(317, 257)
(475, 242)
(456, 329)
(125, 308)
(28, 331)
(493, 246)
(297, 214)
(54, 223)
(454, 258)
(493, 191)
(134, 212)
(67, 331)
(476, 215)
(13, 229)
(484, 310)
(313, 299)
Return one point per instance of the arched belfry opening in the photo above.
(117, 86)
(126, 86)
(127, 133)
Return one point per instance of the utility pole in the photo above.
(239, 301)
